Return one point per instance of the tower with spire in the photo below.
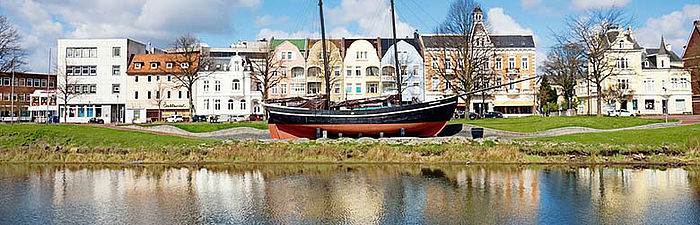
(663, 60)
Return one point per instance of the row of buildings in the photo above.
(124, 81)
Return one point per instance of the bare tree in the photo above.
(266, 70)
(618, 93)
(159, 100)
(565, 64)
(330, 79)
(11, 53)
(191, 65)
(466, 48)
(67, 88)
(589, 33)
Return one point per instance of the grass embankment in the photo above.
(209, 127)
(69, 143)
(533, 124)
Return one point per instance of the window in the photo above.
(684, 83)
(646, 63)
(283, 71)
(230, 104)
(525, 63)
(336, 71)
(435, 83)
(314, 72)
(289, 55)
(43, 83)
(348, 71)
(116, 51)
(511, 62)
(361, 55)
(372, 88)
(499, 63)
(206, 104)
(336, 88)
(168, 95)
(184, 65)
(649, 104)
(115, 70)
(51, 84)
(680, 105)
(179, 94)
(217, 85)
(635, 106)
(358, 71)
(358, 88)
(435, 62)
(81, 52)
(236, 85)
(298, 88)
(622, 63)
(284, 89)
(168, 65)
(662, 63)
(273, 89)
(348, 88)
(148, 95)
(93, 70)
(137, 66)
(6, 81)
(37, 82)
(622, 44)
(205, 88)
(115, 88)
(242, 104)
(136, 95)
(372, 71)
(217, 104)
(154, 65)
(149, 78)
(674, 82)
(623, 84)
(297, 72)
(21, 82)
(648, 85)
(158, 95)
(448, 63)
(136, 78)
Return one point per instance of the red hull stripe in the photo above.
(294, 131)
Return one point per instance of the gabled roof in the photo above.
(612, 36)
(671, 54)
(689, 49)
(512, 41)
(440, 41)
(388, 42)
(161, 59)
(299, 43)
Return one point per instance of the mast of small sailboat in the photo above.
(396, 55)
(326, 74)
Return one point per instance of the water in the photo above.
(347, 194)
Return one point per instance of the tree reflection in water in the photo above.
(358, 194)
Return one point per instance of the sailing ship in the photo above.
(320, 117)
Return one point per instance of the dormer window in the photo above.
(169, 65)
(622, 43)
(184, 65)
(646, 64)
(138, 65)
(154, 65)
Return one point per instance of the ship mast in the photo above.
(326, 73)
(396, 55)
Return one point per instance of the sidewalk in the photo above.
(685, 119)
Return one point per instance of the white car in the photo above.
(174, 119)
(621, 112)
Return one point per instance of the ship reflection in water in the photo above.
(355, 194)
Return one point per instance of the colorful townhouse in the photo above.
(315, 81)
(411, 65)
(291, 54)
(361, 65)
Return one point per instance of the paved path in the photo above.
(685, 119)
(238, 133)
(488, 132)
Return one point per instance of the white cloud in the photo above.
(675, 27)
(501, 23)
(372, 18)
(598, 4)
(268, 19)
(529, 4)
(157, 21)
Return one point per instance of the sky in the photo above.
(220, 23)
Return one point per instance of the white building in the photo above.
(152, 89)
(42, 102)
(652, 79)
(412, 69)
(96, 71)
(226, 90)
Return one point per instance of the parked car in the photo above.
(255, 117)
(473, 116)
(494, 114)
(621, 112)
(175, 119)
(96, 120)
(199, 118)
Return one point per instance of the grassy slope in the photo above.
(72, 135)
(209, 127)
(681, 135)
(535, 123)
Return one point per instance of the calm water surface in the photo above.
(347, 194)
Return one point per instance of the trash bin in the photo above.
(477, 132)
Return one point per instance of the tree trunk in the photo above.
(598, 98)
(191, 103)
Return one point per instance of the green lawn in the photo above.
(681, 135)
(209, 127)
(73, 135)
(532, 124)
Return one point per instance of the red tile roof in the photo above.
(162, 60)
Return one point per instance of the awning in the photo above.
(514, 103)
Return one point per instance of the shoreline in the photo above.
(271, 163)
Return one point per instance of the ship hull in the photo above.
(418, 120)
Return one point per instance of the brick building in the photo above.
(691, 62)
(25, 84)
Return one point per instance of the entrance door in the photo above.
(114, 113)
(623, 105)
(664, 106)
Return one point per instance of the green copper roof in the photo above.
(300, 43)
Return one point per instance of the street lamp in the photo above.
(666, 97)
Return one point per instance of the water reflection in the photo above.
(347, 194)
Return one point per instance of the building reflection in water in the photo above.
(354, 194)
